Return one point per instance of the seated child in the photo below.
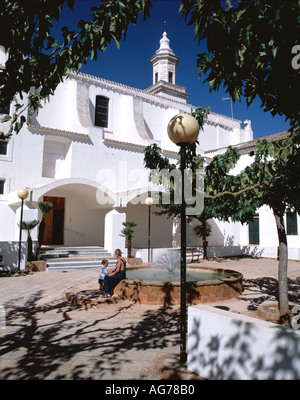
(103, 272)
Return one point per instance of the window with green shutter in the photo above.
(2, 181)
(291, 224)
(254, 230)
(101, 111)
(3, 147)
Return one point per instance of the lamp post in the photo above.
(183, 129)
(149, 202)
(22, 194)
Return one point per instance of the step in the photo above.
(74, 251)
(74, 267)
(76, 258)
(66, 257)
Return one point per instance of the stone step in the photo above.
(81, 266)
(55, 260)
(75, 258)
(74, 251)
(55, 256)
(78, 260)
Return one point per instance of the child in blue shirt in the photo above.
(103, 272)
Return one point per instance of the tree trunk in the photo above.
(129, 246)
(282, 269)
(30, 256)
(41, 234)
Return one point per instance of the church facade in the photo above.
(84, 153)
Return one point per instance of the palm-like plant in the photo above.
(128, 232)
(203, 231)
(28, 226)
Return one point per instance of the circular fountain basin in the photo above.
(159, 286)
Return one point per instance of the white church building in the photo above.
(84, 153)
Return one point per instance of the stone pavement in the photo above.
(46, 338)
(259, 284)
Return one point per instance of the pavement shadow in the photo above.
(266, 289)
(48, 342)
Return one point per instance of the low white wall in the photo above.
(225, 345)
(10, 254)
(223, 251)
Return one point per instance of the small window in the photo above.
(156, 77)
(170, 77)
(291, 224)
(2, 181)
(101, 111)
(3, 147)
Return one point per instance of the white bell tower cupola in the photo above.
(164, 62)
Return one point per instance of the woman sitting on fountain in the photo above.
(113, 278)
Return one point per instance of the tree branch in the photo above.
(252, 187)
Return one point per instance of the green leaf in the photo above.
(6, 118)
(117, 43)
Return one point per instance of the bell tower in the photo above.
(164, 64)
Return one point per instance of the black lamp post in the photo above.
(183, 129)
(22, 194)
(149, 202)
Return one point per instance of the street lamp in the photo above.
(183, 129)
(149, 202)
(22, 194)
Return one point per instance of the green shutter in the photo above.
(254, 231)
(291, 224)
(1, 186)
(101, 111)
(3, 147)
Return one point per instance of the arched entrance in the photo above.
(78, 214)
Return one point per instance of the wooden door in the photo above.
(54, 221)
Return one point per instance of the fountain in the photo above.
(159, 284)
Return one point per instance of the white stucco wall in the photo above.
(228, 346)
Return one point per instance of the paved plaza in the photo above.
(46, 338)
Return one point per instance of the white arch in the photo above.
(40, 191)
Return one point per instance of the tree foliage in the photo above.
(28, 226)
(38, 61)
(249, 50)
(128, 233)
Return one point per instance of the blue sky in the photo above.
(130, 65)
